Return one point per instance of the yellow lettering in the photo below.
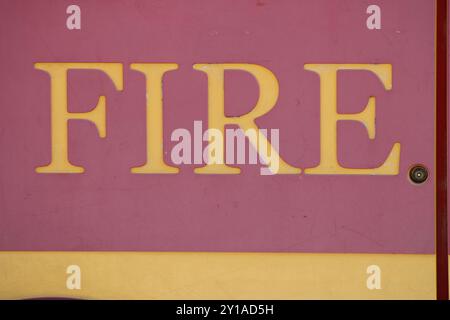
(268, 88)
(154, 73)
(329, 118)
(60, 116)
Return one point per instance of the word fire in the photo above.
(214, 154)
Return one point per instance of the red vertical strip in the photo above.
(441, 152)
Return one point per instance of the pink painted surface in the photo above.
(108, 208)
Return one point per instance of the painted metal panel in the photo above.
(352, 196)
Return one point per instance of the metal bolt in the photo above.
(418, 174)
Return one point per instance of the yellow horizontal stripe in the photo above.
(152, 275)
